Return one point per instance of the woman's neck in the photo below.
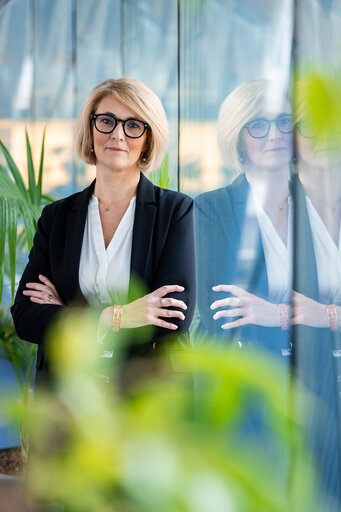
(112, 187)
(271, 187)
(322, 186)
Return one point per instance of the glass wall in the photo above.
(251, 94)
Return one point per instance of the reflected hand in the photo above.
(43, 293)
(148, 309)
(251, 308)
(308, 312)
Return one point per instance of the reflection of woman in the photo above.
(317, 185)
(91, 246)
(242, 230)
(316, 303)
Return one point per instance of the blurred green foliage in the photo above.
(161, 177)
(171, 440)
(319, 95)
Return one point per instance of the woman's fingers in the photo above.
(227, 313)
(39, 287)
(33, 293)
(170, 313)
(230, 301)
(47, 282)
(39, 300)
(235, 323)
(230, 288)
(166, 325)
(168, 301)
(168, 288)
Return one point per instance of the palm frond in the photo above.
(32, 186)
(14, 170)
(41, 165)
(2, 242)
(12, 223)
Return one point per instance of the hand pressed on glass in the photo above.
(251, 309)
(45, 293)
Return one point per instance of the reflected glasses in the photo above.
(106, 123)
(306, 129)
(259, 128)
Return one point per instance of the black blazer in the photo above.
(162, 253)
(230, 251)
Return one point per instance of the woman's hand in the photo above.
(43, 293)
(308, 312)
(149, 310)
(251, 308)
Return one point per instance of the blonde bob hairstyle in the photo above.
(147, 107)
(239, 107)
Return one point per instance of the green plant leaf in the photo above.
(14, 170)
(2, 242)
(32, 187)
(41, 166)
(160, 177)
(29, 219)
(12, 219)
(8, 187)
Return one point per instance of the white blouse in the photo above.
(104, 273)
(327, 256)
(278, 256)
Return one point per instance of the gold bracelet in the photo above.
(283, 316)
(332, 315)
(117, 318)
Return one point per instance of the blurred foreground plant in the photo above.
(172, 441)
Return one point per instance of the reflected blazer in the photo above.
(162, 253)
(230, 251)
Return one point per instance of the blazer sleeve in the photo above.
(32, 320)
(177, 264)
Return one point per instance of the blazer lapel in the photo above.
(144, 221)
(73, 244)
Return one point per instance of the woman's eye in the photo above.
(133, 124)
(285, 121)
(106, 120)
(257, 125)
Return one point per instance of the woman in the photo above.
(97, 245)
(316, 300)
(243, 230)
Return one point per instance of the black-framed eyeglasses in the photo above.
(260, 128)
(106, 123)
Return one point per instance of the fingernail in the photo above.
(175, 327)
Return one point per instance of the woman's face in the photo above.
(115, 151)
(271, 150)
(317, 152)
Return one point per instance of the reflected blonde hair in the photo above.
(238, 108)
(145, 104)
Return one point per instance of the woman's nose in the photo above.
(118, 132)
(274, 132)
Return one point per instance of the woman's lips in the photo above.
(276, 149)
(115, 149)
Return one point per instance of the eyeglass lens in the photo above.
(260, 128)
(131, 127)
